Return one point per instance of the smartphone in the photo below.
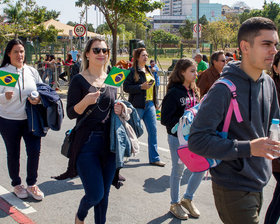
(151, 82)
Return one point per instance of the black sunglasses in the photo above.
(97, 50)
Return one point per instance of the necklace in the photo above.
(109, 104)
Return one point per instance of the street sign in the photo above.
(80, 30)
(195, 30)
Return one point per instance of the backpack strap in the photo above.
(233, 106)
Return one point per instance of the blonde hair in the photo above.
(85, 62)
(176, 76)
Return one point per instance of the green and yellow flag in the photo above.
(8, 79)
(116, 77)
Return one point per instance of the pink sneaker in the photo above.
(35, 192)
(20, 191)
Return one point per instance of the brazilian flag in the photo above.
(116, 77)
(8, 79)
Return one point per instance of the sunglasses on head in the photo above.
(97, 50)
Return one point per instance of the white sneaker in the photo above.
(20, 191)
(35, 192)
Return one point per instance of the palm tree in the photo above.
(15, 16)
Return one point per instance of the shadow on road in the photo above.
(163, 218)
(153, 185)
(55, 186)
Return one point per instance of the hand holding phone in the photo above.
(151, 82)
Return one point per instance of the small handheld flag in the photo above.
(8, 79)
(116, 77)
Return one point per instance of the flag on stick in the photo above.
(8, 79)
(116, 77)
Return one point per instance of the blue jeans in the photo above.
(96, 166)
(148, 114)
(48, 73)
(177, 172)
(273, 211)
(12, 131)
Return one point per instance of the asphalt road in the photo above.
(144, 198)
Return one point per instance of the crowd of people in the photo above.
(51, 69)
(246, 155)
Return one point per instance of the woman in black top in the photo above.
(140, 85)
(91, 155)
(182, 94)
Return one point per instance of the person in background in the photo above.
(40, 67)
(205, 58)
(140, 85)
(67, 67)
(52, 70)
(273, 211)
(76, 67)
(238, 181)
(13, 120)
(201, 65)
(58, 65)
(235, 55)
(154, 69)
(74, 54)
(47, 68)
(209, 76)
(182, 94)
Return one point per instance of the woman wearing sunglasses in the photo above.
(93, 161)
(140, 84)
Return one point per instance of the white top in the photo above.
(14, 108)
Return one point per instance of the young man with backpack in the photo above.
(246, 154)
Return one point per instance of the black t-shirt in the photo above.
(78, 89)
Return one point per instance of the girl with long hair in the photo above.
(13, 120)
(90, 155)
(140, 85)
(182, 94)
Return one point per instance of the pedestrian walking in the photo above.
(182, 94)
(90, 155)
(246, 154)
(273, 211)
(210, 75)
(140, 85)
(13, 120)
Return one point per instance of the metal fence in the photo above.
(51, 77)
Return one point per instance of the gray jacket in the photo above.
(258, 106)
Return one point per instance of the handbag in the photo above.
(70, 135)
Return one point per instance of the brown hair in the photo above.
(136, 54)
(215, 56)
(85, 63)
(275, 62)
(176, 76)
(251, 28)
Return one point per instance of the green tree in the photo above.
(219, 32)
(203, 20)
(118, 11)
(164, 37)
(186, 30)
(103, 29)
(14, 15)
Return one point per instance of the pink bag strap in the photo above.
(233, 106)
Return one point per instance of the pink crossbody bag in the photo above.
(194, 162)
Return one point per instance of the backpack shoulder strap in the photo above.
(233, 104)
